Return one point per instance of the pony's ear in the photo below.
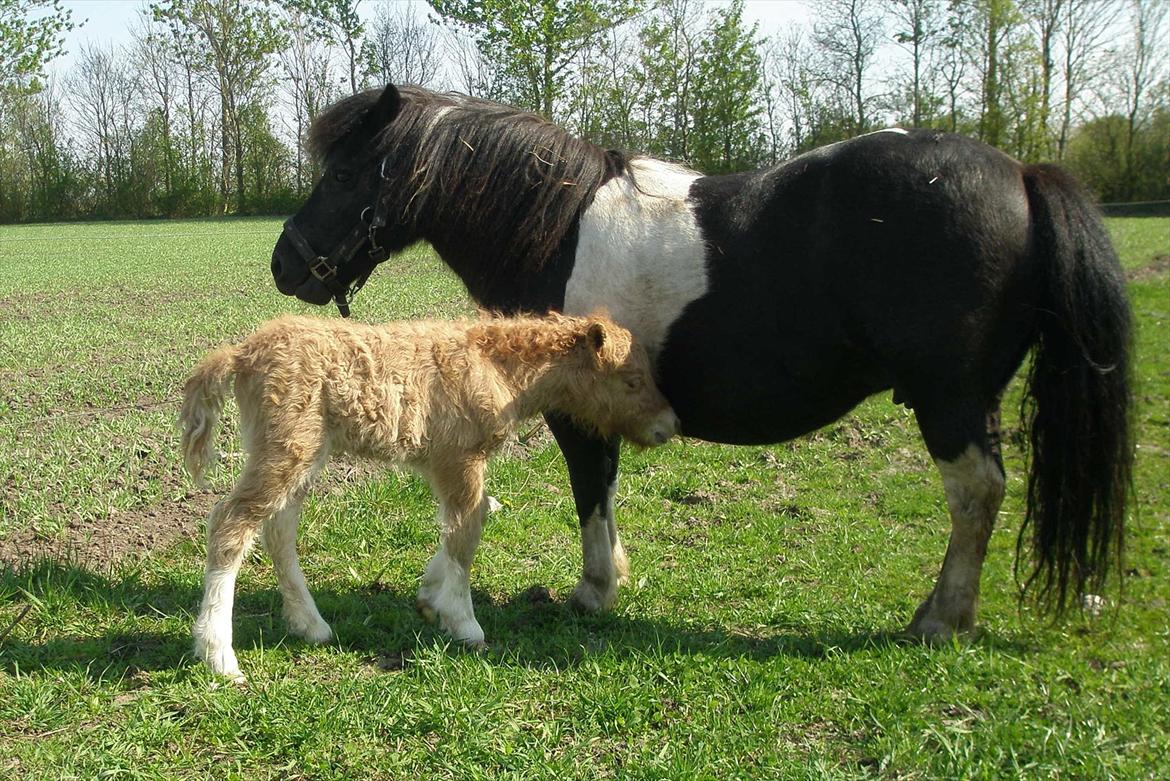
(389, 102)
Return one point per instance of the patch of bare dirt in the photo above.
(1158, 268)
(101, 543)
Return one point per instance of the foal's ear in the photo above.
(389, 102)
(595, 336)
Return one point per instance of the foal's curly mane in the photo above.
(514, 182)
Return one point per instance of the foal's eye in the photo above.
(633, 383)
(343, 175)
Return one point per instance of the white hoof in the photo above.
(219, 658)
(466, 631)
(590, 597)
(310, 629)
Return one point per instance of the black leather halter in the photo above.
(326, 267)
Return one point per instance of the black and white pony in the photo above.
(773, 302)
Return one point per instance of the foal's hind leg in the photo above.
(265, 487)
(445, 592)
(965, 449)
(280, 540)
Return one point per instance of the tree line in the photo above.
(206, 109)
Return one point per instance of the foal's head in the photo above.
(608, 385)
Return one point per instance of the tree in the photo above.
(338, 23)
(1084, 28)
(306, 65)
(102, 91)
(534, 43)
(33, 32)
(919, 26)
(229, 42)
(153, 59)
(401, 48)
(847, 33)
(670, 55)
(726, 116)
(1142, 66)
(990, 27)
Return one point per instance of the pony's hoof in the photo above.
(236, 679)
(934, 632)
(590, 599)
(467, 632)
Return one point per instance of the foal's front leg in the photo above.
(446, 587)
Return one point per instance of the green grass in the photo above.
(752, 642)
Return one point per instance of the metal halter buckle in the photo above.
(315, 269)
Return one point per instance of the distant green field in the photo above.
(753, 640)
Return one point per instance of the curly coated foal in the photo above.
(435, 396)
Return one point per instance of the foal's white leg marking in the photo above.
(213, 628)
(300, 611)
(974, 488)
(445, 592)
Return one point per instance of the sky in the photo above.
(109, 21)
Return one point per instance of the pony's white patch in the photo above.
(597, 589)
(899, 130)
(974, 487)
(640, 253)
(434, 121)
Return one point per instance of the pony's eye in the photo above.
(343, 175)
(633, 383)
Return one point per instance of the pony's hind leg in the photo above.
(445, 592)
(280, 540)
(965, 450)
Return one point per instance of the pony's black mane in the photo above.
(515, 183)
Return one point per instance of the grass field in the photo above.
(753, 640)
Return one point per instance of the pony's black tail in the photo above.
(1077, 402)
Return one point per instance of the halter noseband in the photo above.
(325, 267)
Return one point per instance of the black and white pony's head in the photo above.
(487, 184)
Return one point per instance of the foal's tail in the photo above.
(1077, 402)
(203, 397)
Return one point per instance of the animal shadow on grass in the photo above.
(531, 628)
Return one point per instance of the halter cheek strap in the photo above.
(326, 267)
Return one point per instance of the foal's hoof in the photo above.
(316, 632)
(429, 614)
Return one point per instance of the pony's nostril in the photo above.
(275, 267)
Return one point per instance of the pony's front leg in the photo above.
(593, 473)
(445, 592)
